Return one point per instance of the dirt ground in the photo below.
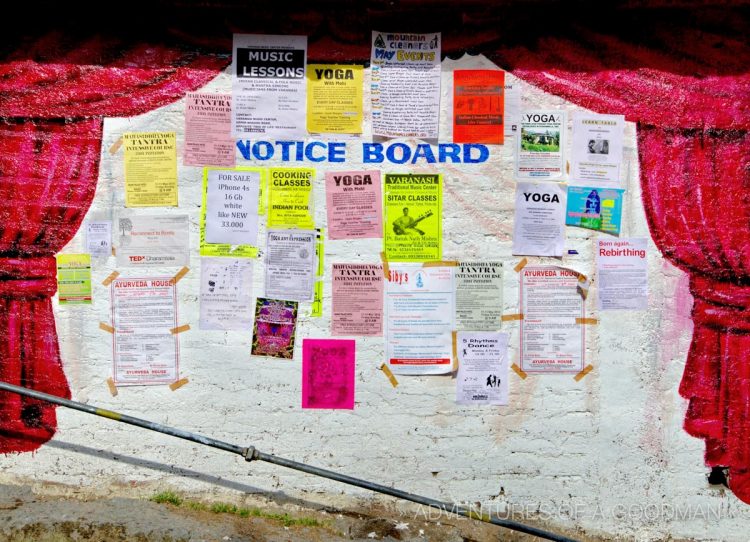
(29, 517)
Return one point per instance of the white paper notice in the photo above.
(405, 84)
(597, 150)
(539, 149)
(622, 268)
(482, 368)
(479, 295)
(99, 237)
(226, 294)
(290, 265)
(419, 305)
(232, 207)
(552, 341)
(143, 312)
(153, 241)
(512, 121)
(539, 224)
(269, 86)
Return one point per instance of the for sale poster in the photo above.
(539, 149)
(413, 223)
(353, 204)
(150, 169)
(144, 318)
(328, 373)
(268, 86)
(274, 328)
(232, 207)
(478, 106)
(208, 130)
(334, 98)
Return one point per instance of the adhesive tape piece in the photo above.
(520, 265)
(520, 372)
(586, 370)
(511, 317)
(106, 327)
(386, 271)
(116, 146)
(389, 374)
(112, 276)
(455, 350)
(441, 263)
(112, 387)
(178, 384)
(181, 273)
(179, 329)
(587, 321)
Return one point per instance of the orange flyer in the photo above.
(478, 106)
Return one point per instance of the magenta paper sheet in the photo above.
(328, 373)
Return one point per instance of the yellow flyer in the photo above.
(74, 279)
(413, 223)
(334, 99)
(290, 198)
(221, 249)
(150, 169)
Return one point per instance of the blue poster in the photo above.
(595, 208)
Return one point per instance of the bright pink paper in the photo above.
(354, 204)
(328, 373)
(208, 130)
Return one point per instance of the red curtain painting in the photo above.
(50, 140)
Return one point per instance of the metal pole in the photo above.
(250, 454)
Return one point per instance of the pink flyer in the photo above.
(208, 130)
(328, 373)
(354, 204)
(357, 299)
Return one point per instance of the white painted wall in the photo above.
(607, 453)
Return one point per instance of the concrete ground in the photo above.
(26, 516)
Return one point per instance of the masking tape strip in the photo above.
(179, 329)
(181, 273)
(112, 387)
(386, 271)
(387, 372)
(112, 276)
(520, 372)
(454, 335)
(586, 370)
(587, 321)
(106, 327)
(116, 146)
(441, 263)
(114, 252)
(520, 265)
(511, 317)
(178, 384)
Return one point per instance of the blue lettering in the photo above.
(268, 153)
(390, 153)
(309, 151)
(372, 153)
(423, 151)
(244, 147)
(336, 151)
(484, 153)
(449, 150)
(285, 149)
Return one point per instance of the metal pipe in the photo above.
(250, 454)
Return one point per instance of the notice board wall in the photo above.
(607, 453)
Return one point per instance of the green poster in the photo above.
(413, 223)
(74, 279)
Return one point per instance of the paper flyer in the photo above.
(357, 299)
(354, 204)
(413, 222)
(334, 98)
(595, 208)
(150, 169)
(290, 264)
(99, 238)
(144, 309)
(226, 301)
(482, 377)
(552, 341)
(274, 328)
(328, 373)
(208, 130)
(539, 150)
(153, 241)
(479, 296)
(405, 84)
(232, 207)
(225, 249)
(512, 99)
(597, 149)
(478, 106)
(539, 223)
(290, 202)
(419, 309)
(622, 269)
(268, 86)
(74, 279)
